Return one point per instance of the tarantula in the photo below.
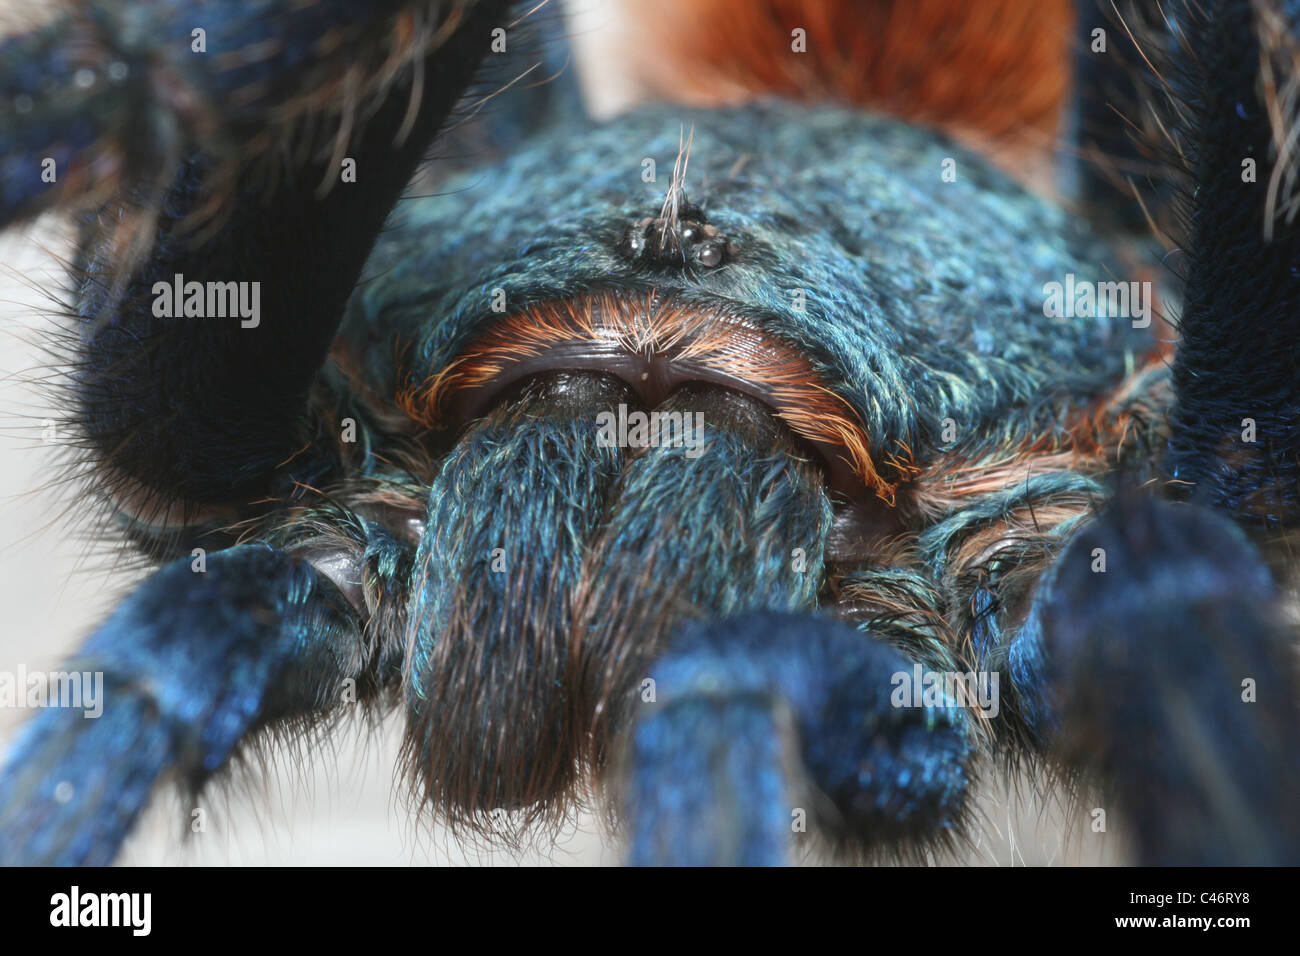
(787, 490)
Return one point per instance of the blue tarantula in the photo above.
(368, 442)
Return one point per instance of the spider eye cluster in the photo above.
(674, 243)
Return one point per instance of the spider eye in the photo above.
(710, 254)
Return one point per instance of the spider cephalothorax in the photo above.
(787, 498)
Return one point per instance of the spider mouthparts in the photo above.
(655, 345)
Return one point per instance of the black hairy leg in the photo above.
(186, 418)
(1109, 116)
(1235, 429)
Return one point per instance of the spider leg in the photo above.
(105, 96)
(1110, 79)
(228, 167)
(757, 718)
(1169, 675)
(192, 664)
(1236, 425)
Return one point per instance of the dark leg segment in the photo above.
(1169, 676)
(1111, 80)
(1236, 428)
(194, 407)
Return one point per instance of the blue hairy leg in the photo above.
(193, 663)
(757, 717)
(1169, 677)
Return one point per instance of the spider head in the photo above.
(828, 300)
